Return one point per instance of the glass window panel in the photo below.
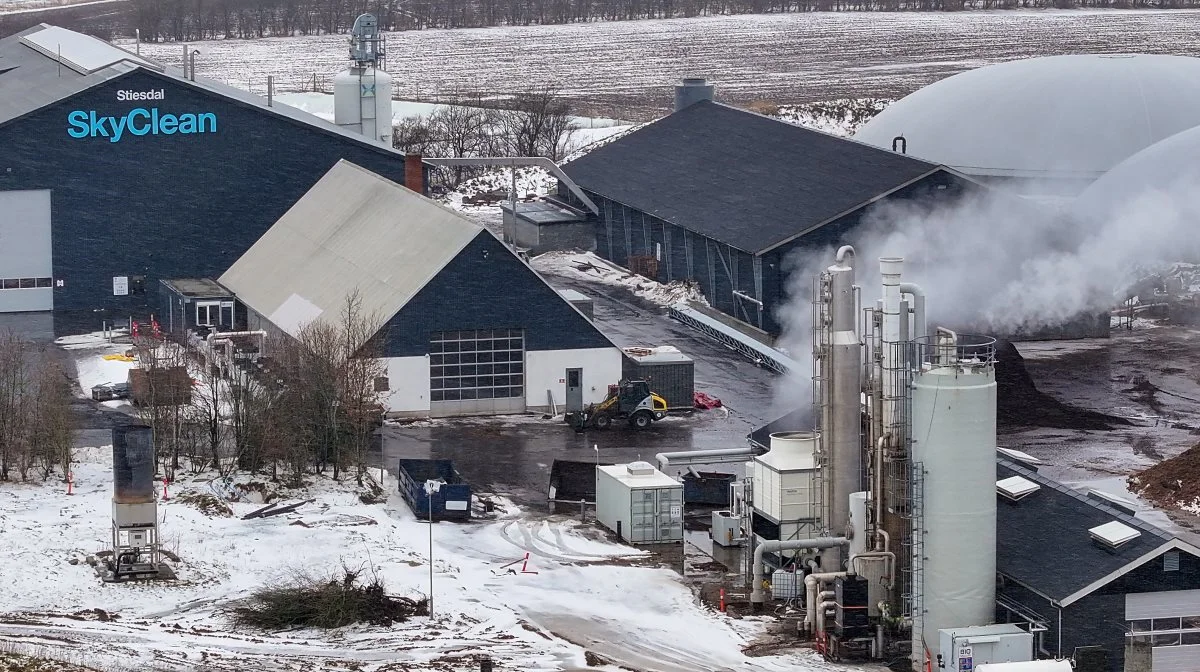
(486, 392)
(467, 370)
(1165, 640)
(451, 346)
(45, 282)
(484, 357)
(452, 371)
(483, 344)
(8, 283)
(1142, 625)
(1191, 621)
(452, 395)
(436, 346)
(435, 360)
(485, 369)
(518, 391)
(467, 358)
(1166, 624)
(1190, 638)
(437, 395)
(517, 367)
(436, 383)
(500, 368)
(467, 393)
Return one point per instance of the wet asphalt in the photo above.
(513, 456)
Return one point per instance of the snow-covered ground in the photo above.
(587, 266)
(609, 597)
(781, 58)
(98, 361)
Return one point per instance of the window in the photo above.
(208, 314)
(25, 283)
(1171, 561)
(1173, 631)
(1141, 625)
(477, 364)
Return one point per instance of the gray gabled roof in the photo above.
(31, 80)
(1043, 543)
(741, 178)
(353, 231)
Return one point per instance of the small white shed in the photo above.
(640, 503)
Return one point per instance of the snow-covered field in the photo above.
(784, 58)
(609, 597)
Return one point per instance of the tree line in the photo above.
(180, 20)
(306, 404)
(36, 422)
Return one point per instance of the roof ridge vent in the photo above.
(1119, 503)
(1016, 488)
(1114, 534)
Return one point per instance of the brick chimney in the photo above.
(414, 173)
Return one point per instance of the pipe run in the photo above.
(812, 583)
(841, 255)
(685, 457)
(918, 302)
(757, 595)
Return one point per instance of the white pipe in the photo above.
(918, 295)
(687, 456)
(880, 446)
(810, 594)
(824, 607)
(228, 334)
(841, 255)
(888, 555)
(757, 596)
(890, 269)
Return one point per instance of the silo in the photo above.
(362, 102)
(954, 486)
(133, 464)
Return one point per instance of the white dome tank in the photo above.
(1168, 168)
(1063, 118)
(362, 102)
(954, 441)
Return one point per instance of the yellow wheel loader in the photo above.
(629, 400)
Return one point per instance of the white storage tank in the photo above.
(640, 503)
(362, 102)
(954, 455)
(786, 486)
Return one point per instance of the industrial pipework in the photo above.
(757, 594)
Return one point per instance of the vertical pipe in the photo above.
(841, 407)
(889, 269)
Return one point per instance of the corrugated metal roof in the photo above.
(352, 230)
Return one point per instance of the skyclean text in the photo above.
(138, 121)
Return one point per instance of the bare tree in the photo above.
(539, 124)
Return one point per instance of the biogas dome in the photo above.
(117, 172)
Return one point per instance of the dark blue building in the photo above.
(724, 198)
(116, 173)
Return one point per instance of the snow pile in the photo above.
(586, 592)
(840, 117)
(587, 266)
(97, 361)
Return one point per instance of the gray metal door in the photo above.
(670, 514)
(26, 276)
(574, 390)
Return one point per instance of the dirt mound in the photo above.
(1173, 483)
(1021, 404)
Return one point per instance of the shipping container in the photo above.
(670, 373)
(451, 502)
(640, 503)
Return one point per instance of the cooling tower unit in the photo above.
(787, 491)
(133, 464)
(953, 487)
(362, 95)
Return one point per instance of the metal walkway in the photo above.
(760, 354)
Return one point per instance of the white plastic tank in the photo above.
(954, 442)
(362, 102)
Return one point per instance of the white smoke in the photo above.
(998, 263)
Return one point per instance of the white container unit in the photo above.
(640, 503)
(786, 485)
(954, 445)
(963, 649)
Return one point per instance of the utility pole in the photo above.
(431, 487)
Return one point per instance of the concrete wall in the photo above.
(163, 206)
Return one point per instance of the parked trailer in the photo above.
(451, 502)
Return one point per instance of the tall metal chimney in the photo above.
(692, 90)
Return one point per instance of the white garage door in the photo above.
(477, 371)
(26, 274)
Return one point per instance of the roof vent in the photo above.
(692, 90)
(1114, 534)
(640, 468)
(1016, 488)
(1018, 456)
(1119, 503)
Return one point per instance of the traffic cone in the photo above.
(165, 495)
(70, 483)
